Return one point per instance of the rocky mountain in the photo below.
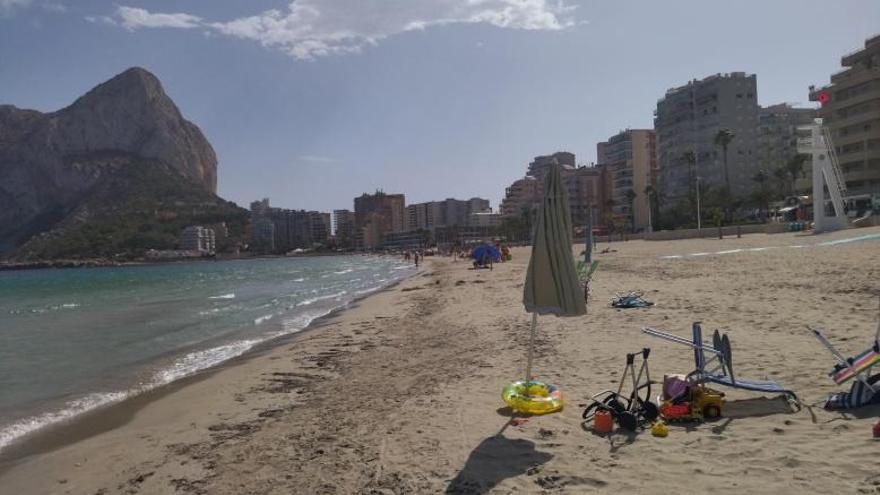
(137, 205)
(51, 164)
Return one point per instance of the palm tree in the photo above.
(631, 199)
(723, 138)
(795, 167)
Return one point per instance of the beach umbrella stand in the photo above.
(551, 287)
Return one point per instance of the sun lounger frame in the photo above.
(717, 367)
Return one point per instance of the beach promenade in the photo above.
(401, 393)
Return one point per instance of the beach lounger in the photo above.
(866, 389)
(713, 362)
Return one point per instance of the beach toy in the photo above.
(659, 429)
(603, 422)
(675, 411)
(674, 386)
(537, 398)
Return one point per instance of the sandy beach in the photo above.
(401, 393)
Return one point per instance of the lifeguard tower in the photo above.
(826, 176)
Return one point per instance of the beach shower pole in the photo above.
(531, 350)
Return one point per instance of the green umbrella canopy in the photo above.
(552, 285)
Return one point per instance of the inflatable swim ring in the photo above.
(540, 398)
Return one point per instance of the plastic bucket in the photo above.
(603, 422)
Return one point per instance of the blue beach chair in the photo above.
(713, 363)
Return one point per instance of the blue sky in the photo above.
(314, 101)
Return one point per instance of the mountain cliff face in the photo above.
(50, 163)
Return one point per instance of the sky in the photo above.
(313, 102)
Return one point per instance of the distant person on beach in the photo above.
(416, 258)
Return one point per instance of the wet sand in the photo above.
(401, 394)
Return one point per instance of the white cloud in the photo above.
(55, 8)
(103, 19)
(314, 28)
(8, 7)
(132, 18)
(316, 159)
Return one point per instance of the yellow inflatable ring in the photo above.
(539, 398)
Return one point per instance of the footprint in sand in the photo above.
(556, 481)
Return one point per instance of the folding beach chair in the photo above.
(713, 363)
(866, 389)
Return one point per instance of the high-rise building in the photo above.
(290, 229)
(538, 166)
(630, 158)
(688, 119)
(583, 184)
(198, 238)
(264, 235)
(344, 224)
(381, 212)
(418, 217)
(447, 213)
(522, 196)
(261, 206)
(585, 193)
(851, 110)
(778, 134)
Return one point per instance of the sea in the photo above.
(72, 340)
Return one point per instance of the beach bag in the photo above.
(859, 395)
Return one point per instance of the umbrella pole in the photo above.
(531, 350)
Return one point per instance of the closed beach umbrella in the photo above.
(552, 285)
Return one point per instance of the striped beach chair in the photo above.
(866, 388)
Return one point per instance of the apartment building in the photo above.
(583, 184)
(778, 134)
(198, 238)
(280, 230)
(850, 107)
(630, 159)
(379, 213)
(343, 222)
(538, 166)
(447, 213)
(689, 117)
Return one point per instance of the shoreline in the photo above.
(400, 393)
(117, 414)
(92, 421)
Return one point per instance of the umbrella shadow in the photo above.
(494, 460)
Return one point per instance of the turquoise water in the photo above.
(72, 340)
